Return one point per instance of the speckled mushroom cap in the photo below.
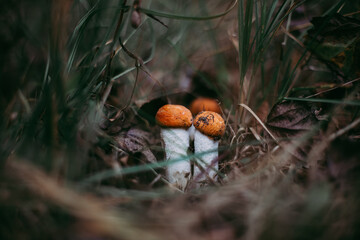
(174, 116)
(204, 104)
(210, 124)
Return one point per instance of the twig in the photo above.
(287, 33)
(344, 130)
(328, 90)
(138, 61)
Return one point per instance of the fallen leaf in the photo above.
(293, 116)
(288, 121)
(137, 140)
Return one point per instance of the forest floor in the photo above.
(82, 156)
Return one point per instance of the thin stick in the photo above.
(344, 130)
(328, 90)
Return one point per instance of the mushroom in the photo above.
(210, 127)
(174, 121)
(202, 104)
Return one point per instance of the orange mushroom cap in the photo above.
(174, 116)
(204, 104)
(210, 123)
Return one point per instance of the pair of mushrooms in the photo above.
(178, 128)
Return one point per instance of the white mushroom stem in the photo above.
(176, 142)
(209, 148)
(191, 131)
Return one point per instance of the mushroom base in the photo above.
(176, 142)
(208, 146)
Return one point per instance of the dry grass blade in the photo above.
(259, 120)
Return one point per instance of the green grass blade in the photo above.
(182, 17)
